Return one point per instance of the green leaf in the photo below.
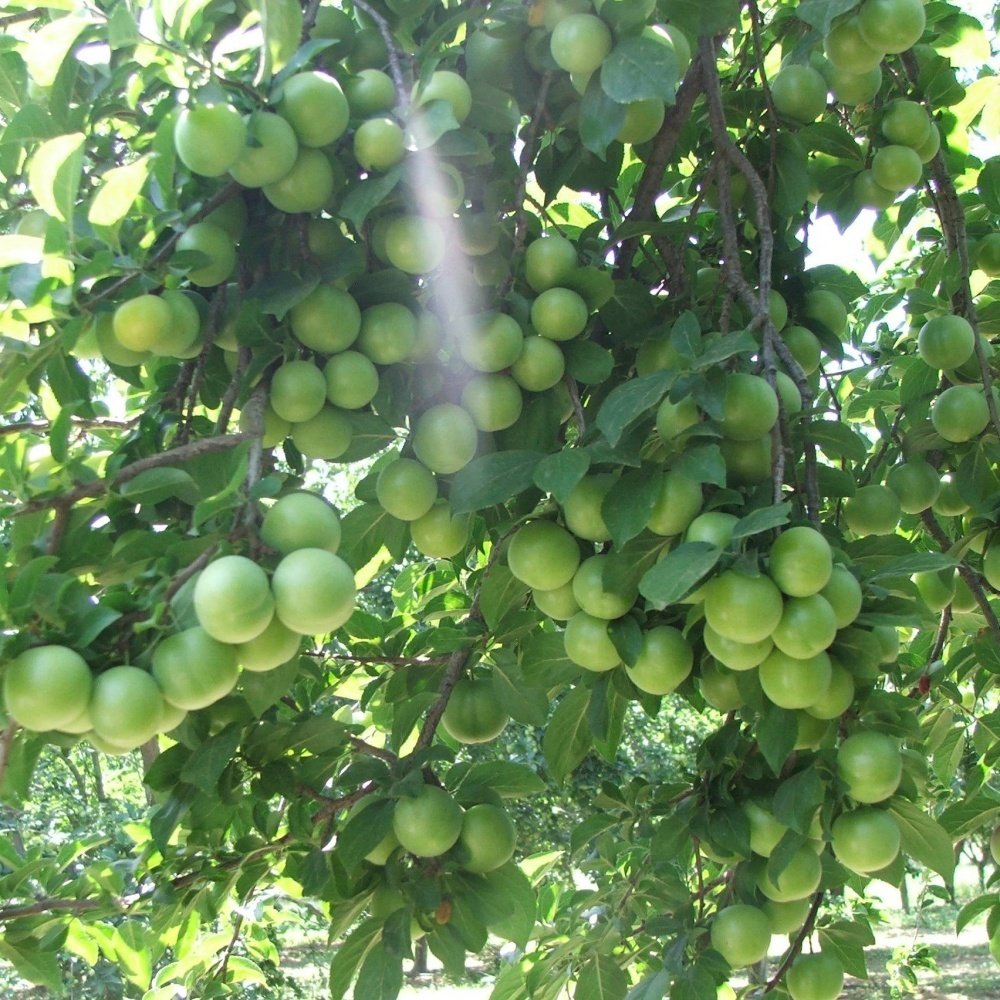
(205, 766)
(919, 562)
(703, 464)
(54, 174)
(975, 908)
(725, 348)
(500, 594)
(630, 400)
(559, 473)
(677, 574)
(797, 799)
(567, 737)
(924, 839)
(601, 118)
(792, 166)
(512, 885)
(367, 195)
(544, 660)
(847, 941)
(155, 485)
(492, 479)
(362, 831)
(629, 502)
(639, 68)
(965, 817)
(763, 519)
(119, 188)
(826, 137)
(523, 701)
(350, 955)
(430, 122)
(601, 978)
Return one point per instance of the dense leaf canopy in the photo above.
(383, 378)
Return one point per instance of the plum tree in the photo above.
(380, 379)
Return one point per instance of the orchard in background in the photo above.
(383, 378)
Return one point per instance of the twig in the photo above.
(161, 255)
(574, 394)
(42, 426)
(527, 157)
(362, 746)
(796, 946)
(24, 15)
(49, 905)
(966, 572)
(6, 741)
(254, 411)
(395, 62)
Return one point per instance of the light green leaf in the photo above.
(281, 22)
(50, 46)
(54, 174)
(119, 189)
(15, 250)
(41, 967)
(924, 838)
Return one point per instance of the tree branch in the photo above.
(176, 455)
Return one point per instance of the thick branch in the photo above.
(6, 741)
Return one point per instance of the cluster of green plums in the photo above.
(241, 617)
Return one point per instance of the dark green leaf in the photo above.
(521, 700)
(630, 400)
(567, 737)
(798, 798)
(601, 978)
(837, 440)
(559, 473)
(703, 464)
(847, 941)
(511, 884)
(155, 485)
(677, 574)
(629, 502)
(698, 18)
(601, 117)
(503, 777)
(492, 479)
(501, 593)
(763, 519)
(725, 348)
(205, 766)
(367, 195)
(776, 735)
(587, 362)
